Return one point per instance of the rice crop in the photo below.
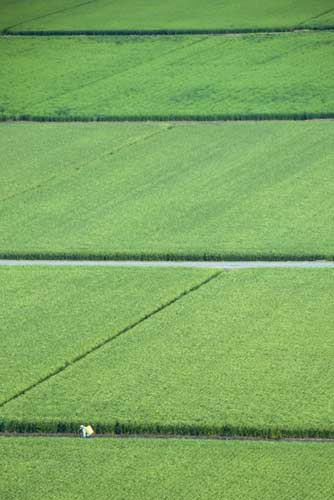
(171, 16)
(249, 353)
(50, 317)
(150, 469)
(182, 77)
(209, 191)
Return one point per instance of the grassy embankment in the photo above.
(240, 191)
(45, 469)
(50, 317)
(202, 77)
(250, 353)
(171, 16)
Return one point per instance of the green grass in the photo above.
(67, 469)
(250, 353)
(238, 190)
(261, 76)
(172, 15)
(50, 316)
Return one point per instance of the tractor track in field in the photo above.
(169, 436)
(209, 264)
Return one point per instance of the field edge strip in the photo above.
(106, 341)
(168, 32)
(168, 257)
(226, 265)
(303, 116)
(12, 427)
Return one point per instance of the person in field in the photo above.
(86, 431)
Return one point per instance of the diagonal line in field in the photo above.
(111, 339)
(50, 14)
(79, 166)
(315, 17)
(114, 75)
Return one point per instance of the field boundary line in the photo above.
(167, 437)
(199, 264)
(219, 118)
(108, 340)
(300, 28)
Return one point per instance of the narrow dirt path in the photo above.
(228, 265)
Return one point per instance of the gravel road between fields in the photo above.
(228, 265)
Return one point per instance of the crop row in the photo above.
(56, 426)
(172, 256)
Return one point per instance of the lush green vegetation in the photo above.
(196, 77)
(240, 190)
(50, 316)
(35, 155)
(150, 469)
(25, 15)
(249, 353)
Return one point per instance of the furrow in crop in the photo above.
(110, 339)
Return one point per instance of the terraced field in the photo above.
(197, 77)
(237, 190)
(174, 15)
(172, 352)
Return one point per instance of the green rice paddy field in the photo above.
(49, 317)
(240, 190)
(137, 469)
(166, 351)
(199, 77)
(248, 353)
(127, 15)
